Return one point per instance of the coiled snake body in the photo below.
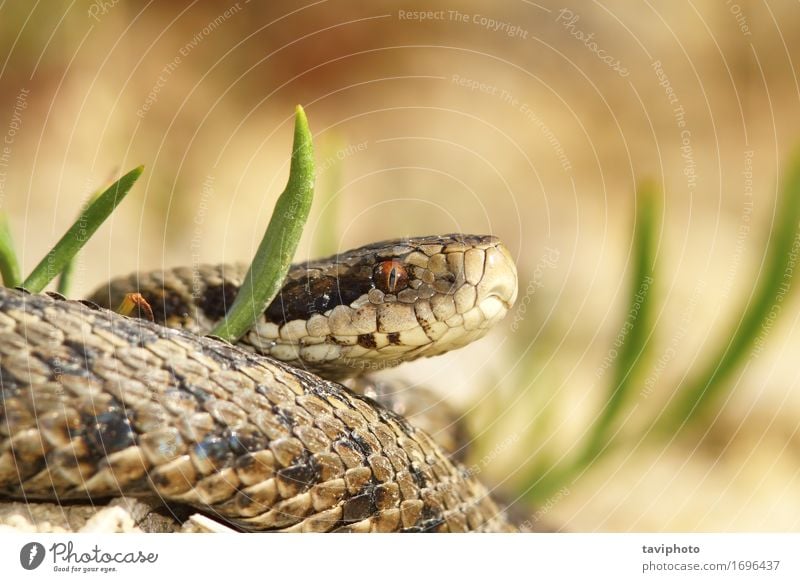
(96, 405)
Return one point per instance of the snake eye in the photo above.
(390, 276)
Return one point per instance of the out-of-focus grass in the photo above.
(636, 331)
(698, 400)
(632, 343)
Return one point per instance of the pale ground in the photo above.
(544, 151)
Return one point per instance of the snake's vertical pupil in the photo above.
(390, 276)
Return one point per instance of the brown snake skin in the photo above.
(96, 405)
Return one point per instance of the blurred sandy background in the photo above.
(530, 120)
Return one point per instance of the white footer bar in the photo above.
(406, 558)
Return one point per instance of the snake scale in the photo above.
(96, 405)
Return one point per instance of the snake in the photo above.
(261, 434)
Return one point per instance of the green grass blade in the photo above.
(773, 286)
(9, 266)
(274, 254)
(81, 231)
(637, 328)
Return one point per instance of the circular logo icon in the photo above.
(31, 555)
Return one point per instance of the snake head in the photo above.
(386, 303)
